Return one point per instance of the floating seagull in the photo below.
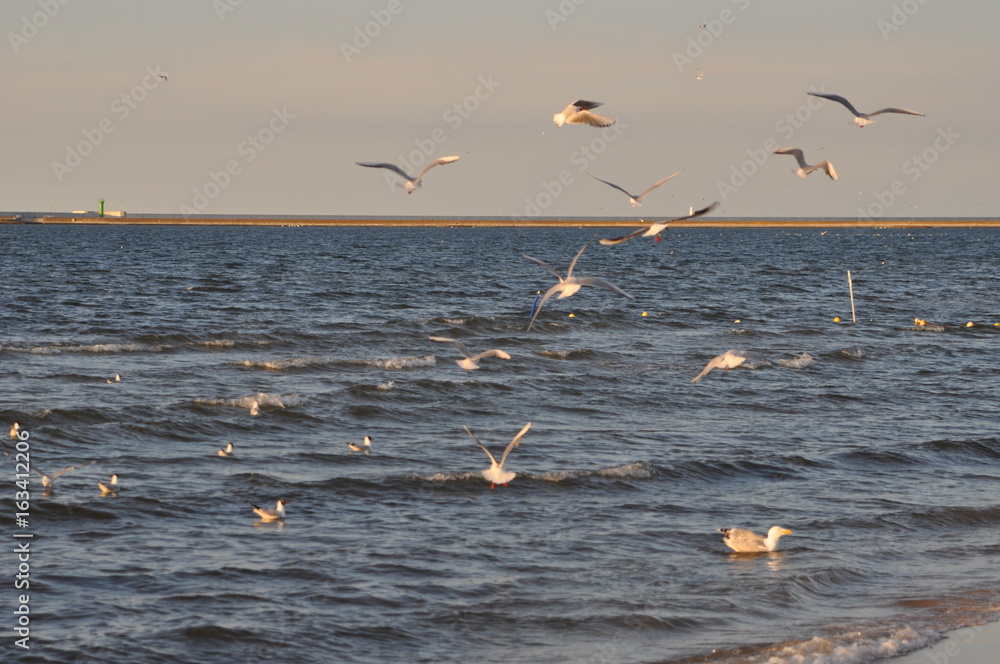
(747, 541)
(495, 474)
(365, 446)
(226, 451)
(255, 408)
(637, 200)
(579, 113)
(14, 429)
(862, 119)
(657, 228)
(804, 168)
(47, 480)
(116, 379)
(411, 182)
(569, 284)
(277, 514)
(730, 360)
(469, 362)
(111, 488)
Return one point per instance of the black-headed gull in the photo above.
(14, 428)
(117, 379)
(277, 514)
(569, 284)
(862, 119)
(730, 360)
(365, 446)
(495, 474)
(747, 541)
(653, 230)
(470, 361)
(637, 200)
(226, 451)
(579, 113)
(410, 183)
(111, 488)
(804, 168)
(48, 480)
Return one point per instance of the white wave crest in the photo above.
(852, 648)
(218, 343)
(385, 387)
(638, 470)
(284, 365)
(797, 362)
(396, 363)
(852, 353)
(263, 399)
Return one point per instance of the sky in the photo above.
(258, 107)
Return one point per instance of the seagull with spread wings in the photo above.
(579, 113)
(410, 183)
(862, 119)
(470, 361)
(637, 200)
(495, 474)
(804, 168)
(654, 230)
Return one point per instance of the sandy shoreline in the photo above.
(970, 645)
(506, 222)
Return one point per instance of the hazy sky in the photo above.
(267, 106)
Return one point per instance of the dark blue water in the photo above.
(878, 444)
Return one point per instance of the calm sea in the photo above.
(877, 443)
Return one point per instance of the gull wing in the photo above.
(392, 167)
(612, 184)
(651, 188)
(838, 99)
(481, 446)
(592, 119)
(828, 167)
(493, 352)
(459, 346)
(572, 263)
(436, 162)
(545, 298)
(905, 111)
(602, 283)
(583, 105)
(543, 264)
(514, 443)
(618, 240)
(795, 152)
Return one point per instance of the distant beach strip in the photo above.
(498, 221)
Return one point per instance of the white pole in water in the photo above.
(850, 286)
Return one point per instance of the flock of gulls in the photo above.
(579, 112)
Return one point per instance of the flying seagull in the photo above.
(730, 360)
(636, 200)
(495, 474)
(469, 362)
(658, 227)
(277, 514)
(747, 541)
(569, 284)
(862, 119)
(579, 113)
(804, 168)
(47, 480)
(411, 182)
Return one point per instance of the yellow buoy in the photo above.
(836, 319)
(572, 315)
(737, 320)
(970, 324)
(645, 313)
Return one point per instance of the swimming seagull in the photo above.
(579, 113)
(365, 446)
(862, 119)
(495, 474)
(277, 514)
(116, 379)
(255, 408)
(48, 480)
(730, 360)
(804, 168)
(111, 488)
(747, 541)
(411, 182)
(637, 200)
(469, 362)
(14, 429)
(569, 284)
(226, 451)
(657, 228)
